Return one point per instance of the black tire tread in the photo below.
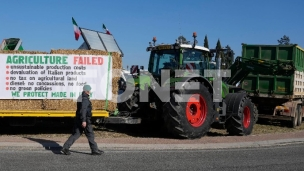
(255, 114)
(175, 117)
(299, 115)
(235, 105)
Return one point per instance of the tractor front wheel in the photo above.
(241, 113)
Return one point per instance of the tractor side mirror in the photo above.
(141, 67)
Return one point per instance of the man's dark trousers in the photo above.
(77, 132)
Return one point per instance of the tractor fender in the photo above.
(203, 80)
(179, 84)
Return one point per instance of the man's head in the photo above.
(87, 89)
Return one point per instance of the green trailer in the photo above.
(277, 96)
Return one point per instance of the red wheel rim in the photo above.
(246, 119)
(196, 110)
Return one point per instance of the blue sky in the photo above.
(46, 25)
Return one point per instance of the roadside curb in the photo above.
(106, 146)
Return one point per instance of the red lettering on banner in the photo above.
(94, 61)
(78, 60)
(100, 60)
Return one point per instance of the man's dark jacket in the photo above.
(84, 108)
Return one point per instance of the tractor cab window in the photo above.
(194, 60)
(163, 59)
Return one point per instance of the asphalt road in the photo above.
(287, 157)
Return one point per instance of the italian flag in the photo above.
(76, 29)
(104, 27)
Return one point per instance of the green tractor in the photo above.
(187, 101)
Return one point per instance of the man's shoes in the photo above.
(97, 152)
(65, 151)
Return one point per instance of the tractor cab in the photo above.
(226, 56)
(179, 56)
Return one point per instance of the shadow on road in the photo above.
(273, 122)
(79, 152)
(47, 144)
(147, 130)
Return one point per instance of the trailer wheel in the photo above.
(240, 109)
(189, 112)
(294, 120)
(299, 115)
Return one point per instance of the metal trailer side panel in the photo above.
(276, 52)
(275, 86)
(269, 85)
(272, 93)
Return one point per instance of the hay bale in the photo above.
(98, 104)
(71, 105)
(20, 104)
(116, 68)
(78, 52)
(60, 104)
(21, 52)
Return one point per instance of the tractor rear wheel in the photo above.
(241, 110)
(189, 112)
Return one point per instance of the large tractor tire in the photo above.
(294, 120)
(255, 114)
(299, 115)
(129, 100)
(240, 111)
(189, 112)
(297, 120)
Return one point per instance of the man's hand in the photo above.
(84, 124)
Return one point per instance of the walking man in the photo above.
(83, 123)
